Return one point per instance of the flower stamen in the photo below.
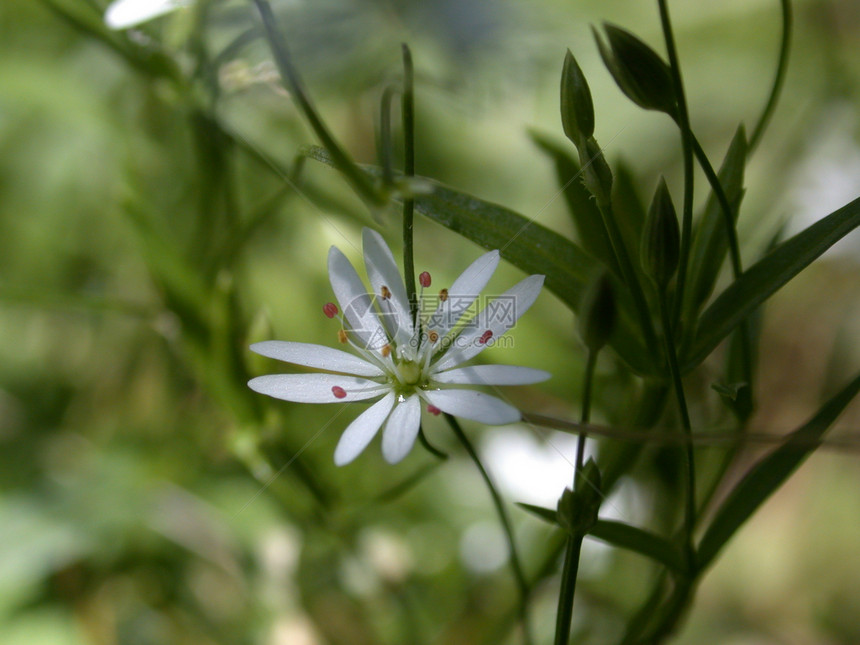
(338, 391)
(330, 309)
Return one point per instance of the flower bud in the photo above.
(638, 70)
(661, 239)
(577, 110)
(598, 313)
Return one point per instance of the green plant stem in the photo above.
(683, 118)
(408, 115)
(573, 548)
(433, 450)
(734, 249)
(385, 147)
(516, 566)
(689, 465)
(725, 207)
(782, 65)
(359, 180)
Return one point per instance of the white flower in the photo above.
(123, 14)
(398, 362)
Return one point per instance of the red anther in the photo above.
(486, 336)
(330, 309)
(424, 279)
(339, 392)
(432, 409)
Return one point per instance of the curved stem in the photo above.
(360, 182)
(433, 450)
(725, 206)
(570, 568)
(734, 248)
(784, 49)
(516, 566)
(683, 118)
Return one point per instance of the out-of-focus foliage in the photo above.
(146, 496)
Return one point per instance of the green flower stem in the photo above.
(385, 147)
(734, 248)
(689, 465)
(433, 450)
(784, 49)
(408, 115)
(725, 206)
(687, 148)
(570, 568)
(359, 180)
(516, 566)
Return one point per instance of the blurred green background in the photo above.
(146, 496)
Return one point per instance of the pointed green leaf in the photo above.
(622, 536)
(546, 514)
(766, 276)
(640, 541)
(769, 474)
(710, 243)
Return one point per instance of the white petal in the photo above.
(359, 433)
(319, 356)
(471, 404)
(463, 292)
(491, 375)
(123, 14)
(316, 388)
(497, 317)
(401, 429)
(355, 302)
(382, 271)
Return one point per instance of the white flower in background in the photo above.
(124, 14)
(401, 363)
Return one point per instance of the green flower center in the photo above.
(409, 372)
